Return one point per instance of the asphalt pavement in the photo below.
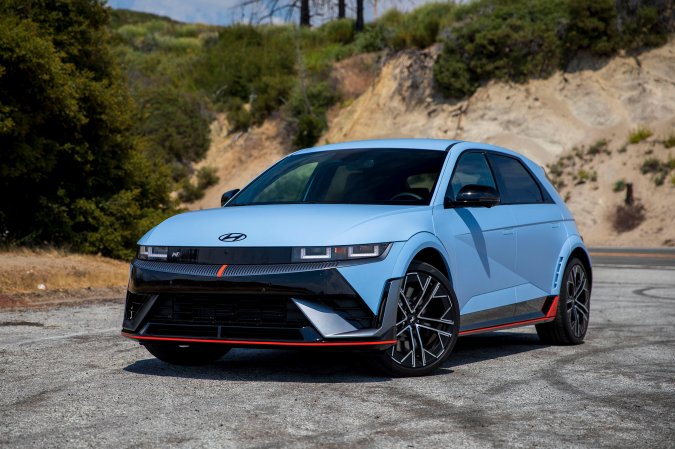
(68, 379)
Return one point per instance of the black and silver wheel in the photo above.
(427, 323)
(189, 354)
(574, 306)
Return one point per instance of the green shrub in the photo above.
(660, 178)
(499, 40)
(174, 126)
(619, 186)
(238, 116)
(255, 65)
(452, 74)
(191, 192)
(207, 177)
(599, 146)
(592, 26)
(669, 142)
(338, 31)
(639, 134)
(309, 110)
(644, 25)
(650, 165)
(372, 38)
(309, 129)
(583, 175)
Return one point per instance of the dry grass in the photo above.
(22, 270)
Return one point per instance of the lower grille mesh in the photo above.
(192, 269)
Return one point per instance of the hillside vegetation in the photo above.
(105, 115)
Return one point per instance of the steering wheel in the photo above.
(404, 194)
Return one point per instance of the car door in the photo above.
(482, 244)
(539, 232)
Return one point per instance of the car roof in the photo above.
(410, 144)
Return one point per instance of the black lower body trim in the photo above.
(258, 309)
(513, 313)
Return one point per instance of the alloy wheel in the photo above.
(578, 296)
(424, 329)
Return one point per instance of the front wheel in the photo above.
(192, 354)
(427, 324)
(574, 306)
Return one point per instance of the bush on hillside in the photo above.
(174, 126)
(592, 26)
(522, 39)
(644, 23)
(255, 65)
(499, 40)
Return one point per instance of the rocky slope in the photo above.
(544, 119)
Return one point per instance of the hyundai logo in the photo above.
(232, 237)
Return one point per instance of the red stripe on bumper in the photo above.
(260, 343)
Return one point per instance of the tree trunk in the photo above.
(304, 13)
(359, 15)
(342, 9)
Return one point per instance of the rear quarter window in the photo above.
(516, 184)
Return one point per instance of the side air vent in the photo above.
(556, 278)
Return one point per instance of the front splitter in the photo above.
(249, 343)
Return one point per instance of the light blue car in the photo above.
(397, 247)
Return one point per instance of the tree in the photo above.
(342, 9)
(70, 172)
(304, 13)
(359, 15)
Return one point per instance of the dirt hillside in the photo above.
(541, 118)
(547, 119)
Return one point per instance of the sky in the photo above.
(224, 12)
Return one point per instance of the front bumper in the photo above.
(295, 305)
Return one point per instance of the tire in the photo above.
(190, 355)
(428, 317)
(574, 305)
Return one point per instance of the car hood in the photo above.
(292, 225)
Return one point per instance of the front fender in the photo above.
(369, 279)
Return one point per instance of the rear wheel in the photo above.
(427, 324)
(190, 354)
(574, 305)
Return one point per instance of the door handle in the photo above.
(507, 231)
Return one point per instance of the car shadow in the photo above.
(309, 366)
(492, 345)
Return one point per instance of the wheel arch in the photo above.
(434, 258)
(424, 247)
(573, 247)
(581, 254)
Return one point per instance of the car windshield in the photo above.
(359, 176)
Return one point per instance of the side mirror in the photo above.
(227, 196)
(474, 196)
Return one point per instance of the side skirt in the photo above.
(546, 312)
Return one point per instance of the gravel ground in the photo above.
(67, 379)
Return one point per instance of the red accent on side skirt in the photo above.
(553, 310)
(507, 325)
(260, 343)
